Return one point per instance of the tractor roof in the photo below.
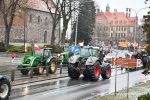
(48, 48)
(91, 47)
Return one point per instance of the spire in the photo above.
(107, 8)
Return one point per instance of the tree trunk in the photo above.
(64, 34)
(7, 32)
(53, 35)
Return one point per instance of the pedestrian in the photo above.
(145, 60)
(13, 56)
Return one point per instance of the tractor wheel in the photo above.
(5, 89)
(39, 70)
(24, 71)
(92, 72)
(106, 72)
(52, 66)
(73, 72)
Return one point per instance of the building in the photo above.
(32, 23)
(114, 27)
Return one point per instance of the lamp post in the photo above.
(76, 35)
(136, 21)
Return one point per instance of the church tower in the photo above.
(107, 8)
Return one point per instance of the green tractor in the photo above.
(89, 63)
(68, 52)
(38, 61)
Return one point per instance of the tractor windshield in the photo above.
(43, 52)
(84, 52)
(95, 52)
(66, 48)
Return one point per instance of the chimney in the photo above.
(115, 10)
(128, 12)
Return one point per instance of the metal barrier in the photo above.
(12, 75)
(16, 75)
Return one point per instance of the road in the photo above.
(67, 89)
(59, 86)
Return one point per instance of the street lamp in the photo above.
(76, 30)
(136, 20)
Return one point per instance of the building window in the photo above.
(119, 28)
(38, 19)
(116, 22)
(30, 19)
(111, 35)
(124, 28)
(116, 35)
(112, 28)
(45, 37)
(116, 28)
(46, 21)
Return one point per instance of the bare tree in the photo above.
(54, 11)
(63, 9)
(0, 3)
(66, 11)
(8, 9)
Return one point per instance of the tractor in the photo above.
(89, 63)
(68, 51)
(38, 61)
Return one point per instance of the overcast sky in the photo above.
(121, 5)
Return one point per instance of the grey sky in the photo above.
(121, 5)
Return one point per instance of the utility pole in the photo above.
(76, 35)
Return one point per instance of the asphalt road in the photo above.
(63, 88)
(67, 89)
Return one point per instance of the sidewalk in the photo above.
(134, 93)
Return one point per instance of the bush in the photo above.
(16, 49)
(2, 47)
(144, 97)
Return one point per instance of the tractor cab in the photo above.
(44, 53)
(47, 52)
(89, 51)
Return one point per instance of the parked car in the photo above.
(5, 88)
(109, 57)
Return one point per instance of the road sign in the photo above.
(126, 62)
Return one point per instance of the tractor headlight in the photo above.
(90, 60)
(58, 55)
(105, 59)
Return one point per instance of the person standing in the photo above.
(13, 56)
(145, 60)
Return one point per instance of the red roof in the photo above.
(116, 18)
(40, 5)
